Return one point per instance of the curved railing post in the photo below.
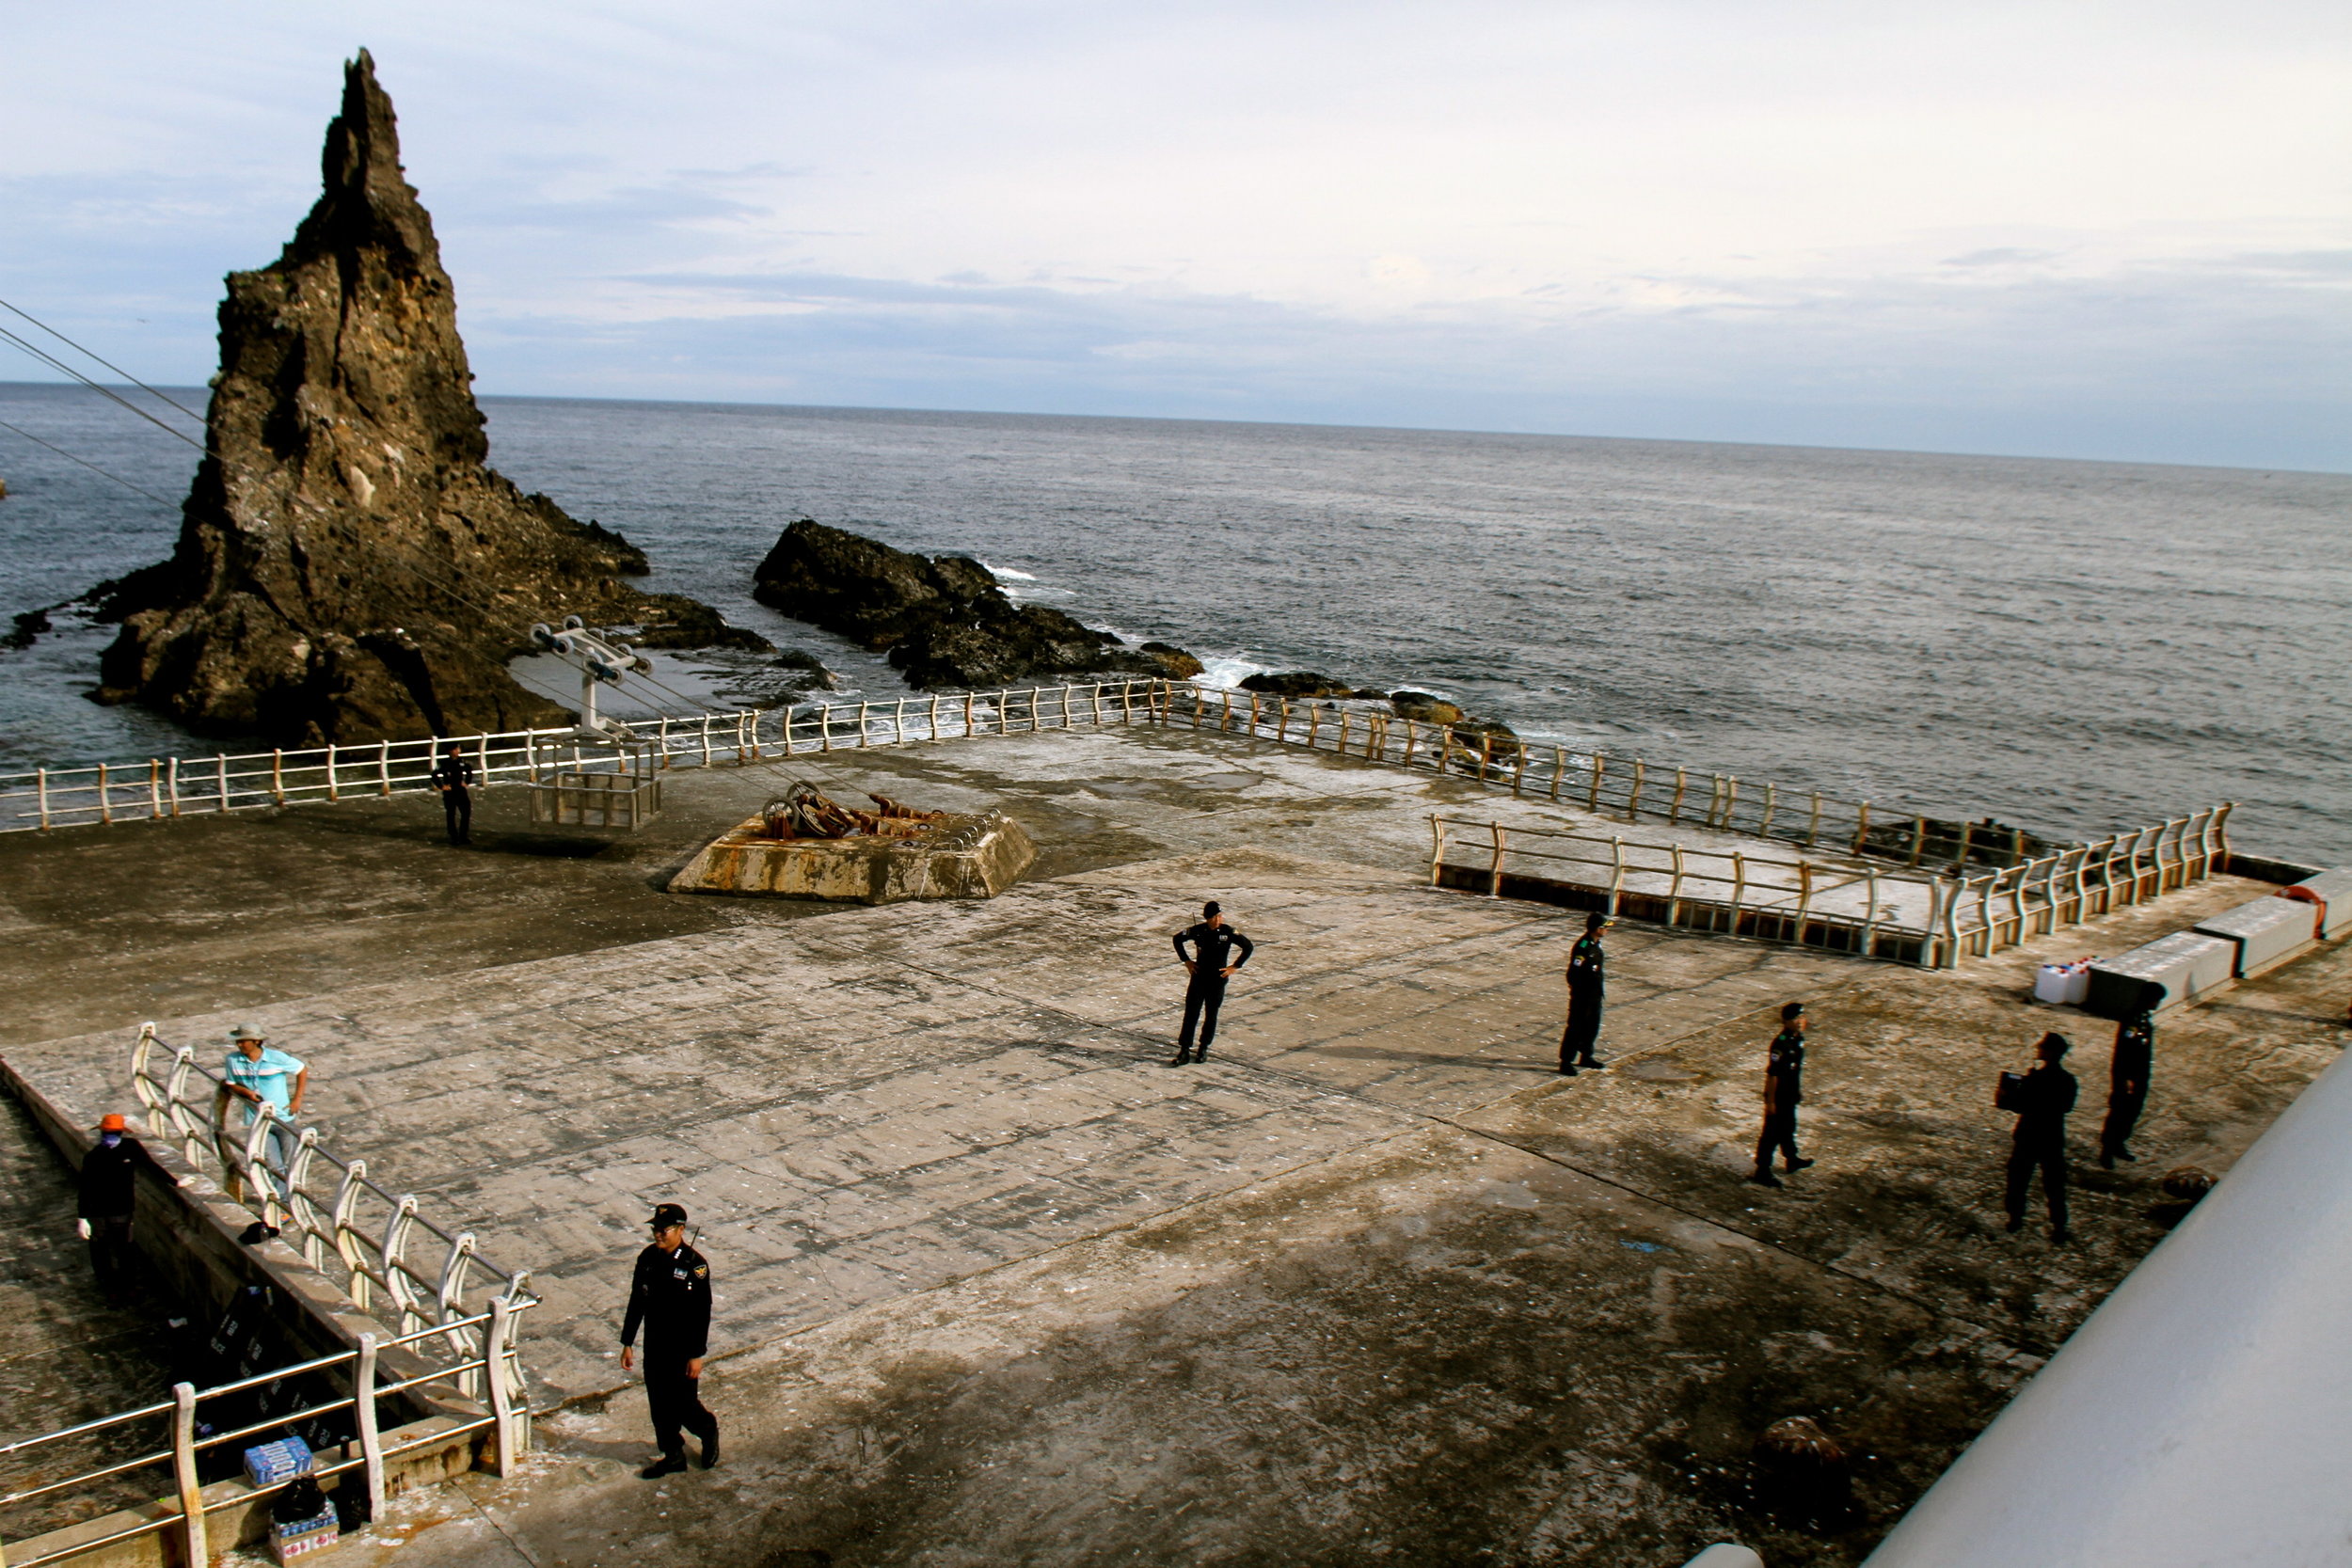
(392, 1255)
(348, 1237)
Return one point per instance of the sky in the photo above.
(2103, 231)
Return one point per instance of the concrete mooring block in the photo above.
(967, 856)
(2265, 930)
(2187, 964)
(2331, 891)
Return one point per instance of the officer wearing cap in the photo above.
(1209, 963)
(1587, 983)
(670, 1298)
(2045, 1096)
(107, 1195)
(451, 778)
(1783, 1090)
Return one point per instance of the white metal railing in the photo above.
(493, 1365)
(1862, 906)
(186, 787)
(346, 1227)
(1599, 783)
(2010, 906)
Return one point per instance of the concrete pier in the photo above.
(996, 1284)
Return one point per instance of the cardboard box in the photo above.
(295, 1538)
(274, 1464)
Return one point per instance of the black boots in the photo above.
(668, 1465)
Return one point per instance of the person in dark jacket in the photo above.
(1587, 983)
(453, 777)
(1209, 963)
(108, 1195)
(2043, 1099)
(2128, 1072)
(669, 1297)
(1784, 1091)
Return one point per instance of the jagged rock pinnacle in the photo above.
(347, 567)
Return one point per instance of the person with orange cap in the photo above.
(108, 1195)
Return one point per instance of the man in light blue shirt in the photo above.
(258, 1073)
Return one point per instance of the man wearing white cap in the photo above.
(260, 1074)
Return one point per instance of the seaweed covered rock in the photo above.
(942, 618)
(1424, 707)
(1176, 664)
(1296, 685)
(348, 566)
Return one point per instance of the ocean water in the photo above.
(2072, 646)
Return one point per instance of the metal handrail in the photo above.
(1597, 781)
(51, 798)
(497, 1363)
(1960, 919)
(429, 1304)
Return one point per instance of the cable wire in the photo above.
(48, 358)
(447, 585)
(102, 359)
(91, 467)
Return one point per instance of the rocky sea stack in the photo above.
(348, 568)
(942, 618)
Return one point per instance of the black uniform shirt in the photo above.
(110, 1179)
(2135, 1050)
(1586, 961)
(1213, 943)
(671, 1297)
(1786, 1063)
(2044, 1096)
(453, 774)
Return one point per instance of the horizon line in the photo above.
(1287, 424)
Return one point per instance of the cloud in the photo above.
(2057, 230)
(1999, 256)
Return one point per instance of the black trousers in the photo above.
(1583, 1031)
(1202, 998)
(457, 813)
(2123, 1106)
(1780, 1133)
(2047, 1155)
(675, 1400)
(112, 1258)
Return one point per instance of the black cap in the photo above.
(667, 1214)
(1791, 1011)
(1595, 919)
(2054, 1045)
(1212, 907)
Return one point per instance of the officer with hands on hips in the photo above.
(670, 1298)
(1210, 964)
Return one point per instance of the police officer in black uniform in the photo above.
(2135, 1059)
(1784, 1091)
(1209, 963)
(450, 776)
(670, 1297)
(1586, 982)
(2043, 1098)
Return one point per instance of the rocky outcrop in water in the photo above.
(1296, 685)
(942, 618)
(1425, 707)
(348, 566)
